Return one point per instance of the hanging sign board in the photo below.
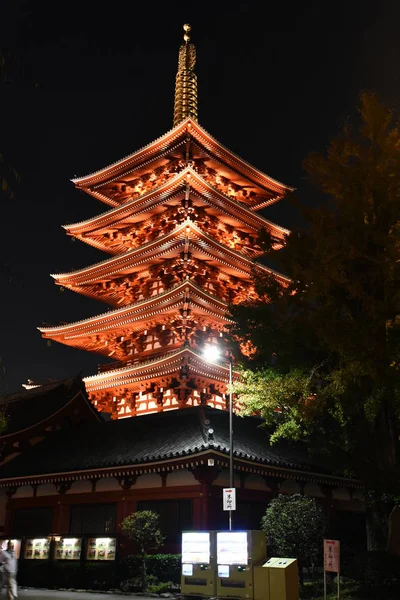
(229, 499)
(332, 556)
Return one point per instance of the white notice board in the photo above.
(332, 556)
(229, 499)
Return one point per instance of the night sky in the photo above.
(95, 82)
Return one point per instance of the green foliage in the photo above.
(295, 528)
(135, 584)
(143, 527)
(160, 588)
(164, 567)
(281, 400)
(334, 330)
(3, 421)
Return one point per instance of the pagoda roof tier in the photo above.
(112, 184)
(231, 212)
(184, 237)
(92, 334)
(133, 376)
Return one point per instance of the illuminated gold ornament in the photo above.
(186, 81)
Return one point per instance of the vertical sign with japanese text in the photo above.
(332, 556)
(229, 499)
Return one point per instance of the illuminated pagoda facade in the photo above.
(180, 228)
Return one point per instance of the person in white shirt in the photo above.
(10, 566)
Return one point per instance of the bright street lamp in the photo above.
(212, 353)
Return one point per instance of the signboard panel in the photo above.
(101, 549)
(332, 556)
(37, 548)
(229, 498)
(68, 549)
(232, 548)
(196, 547)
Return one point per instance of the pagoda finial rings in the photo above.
(186, 29)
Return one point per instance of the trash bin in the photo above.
(283, 578)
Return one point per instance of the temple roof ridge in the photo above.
(130, 205)
(120, 161)
(110, 314)
(221, 363)
(189, 126)
(157, 243)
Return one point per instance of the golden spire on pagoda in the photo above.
(186, 81)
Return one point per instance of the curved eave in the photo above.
(139, 205)
(141, 311)
(240, 164)
(156, 249)
(198, 455)
(136, 158)
(164, 365)
(119, 167)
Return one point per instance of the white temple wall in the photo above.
(80, 487)
(182, 477)
(314, 490)
(340, 494)
(47, 489)
(223, 479)
(25, 491)
(290, 486)
(256, 482)
(148, 480)
(108, 484)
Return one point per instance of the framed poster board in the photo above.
(101, 548)
(37, 548)
(68, 549)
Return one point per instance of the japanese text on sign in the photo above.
(332, 556)
(229, 499)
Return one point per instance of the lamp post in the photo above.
(231, 480)
(212, 353)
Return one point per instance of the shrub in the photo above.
(165, 567)
(295, 528)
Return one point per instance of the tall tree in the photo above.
(335, 328)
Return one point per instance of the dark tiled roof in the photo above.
(152, 438)
(26, 408)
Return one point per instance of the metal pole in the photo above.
(231, 480)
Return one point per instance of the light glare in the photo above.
(211, 353)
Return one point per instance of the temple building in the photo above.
(180, 229)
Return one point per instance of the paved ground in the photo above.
(35, 594)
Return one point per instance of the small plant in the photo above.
(160, 587)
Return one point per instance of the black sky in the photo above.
(275, 82)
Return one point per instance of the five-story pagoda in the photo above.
(181, 235)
